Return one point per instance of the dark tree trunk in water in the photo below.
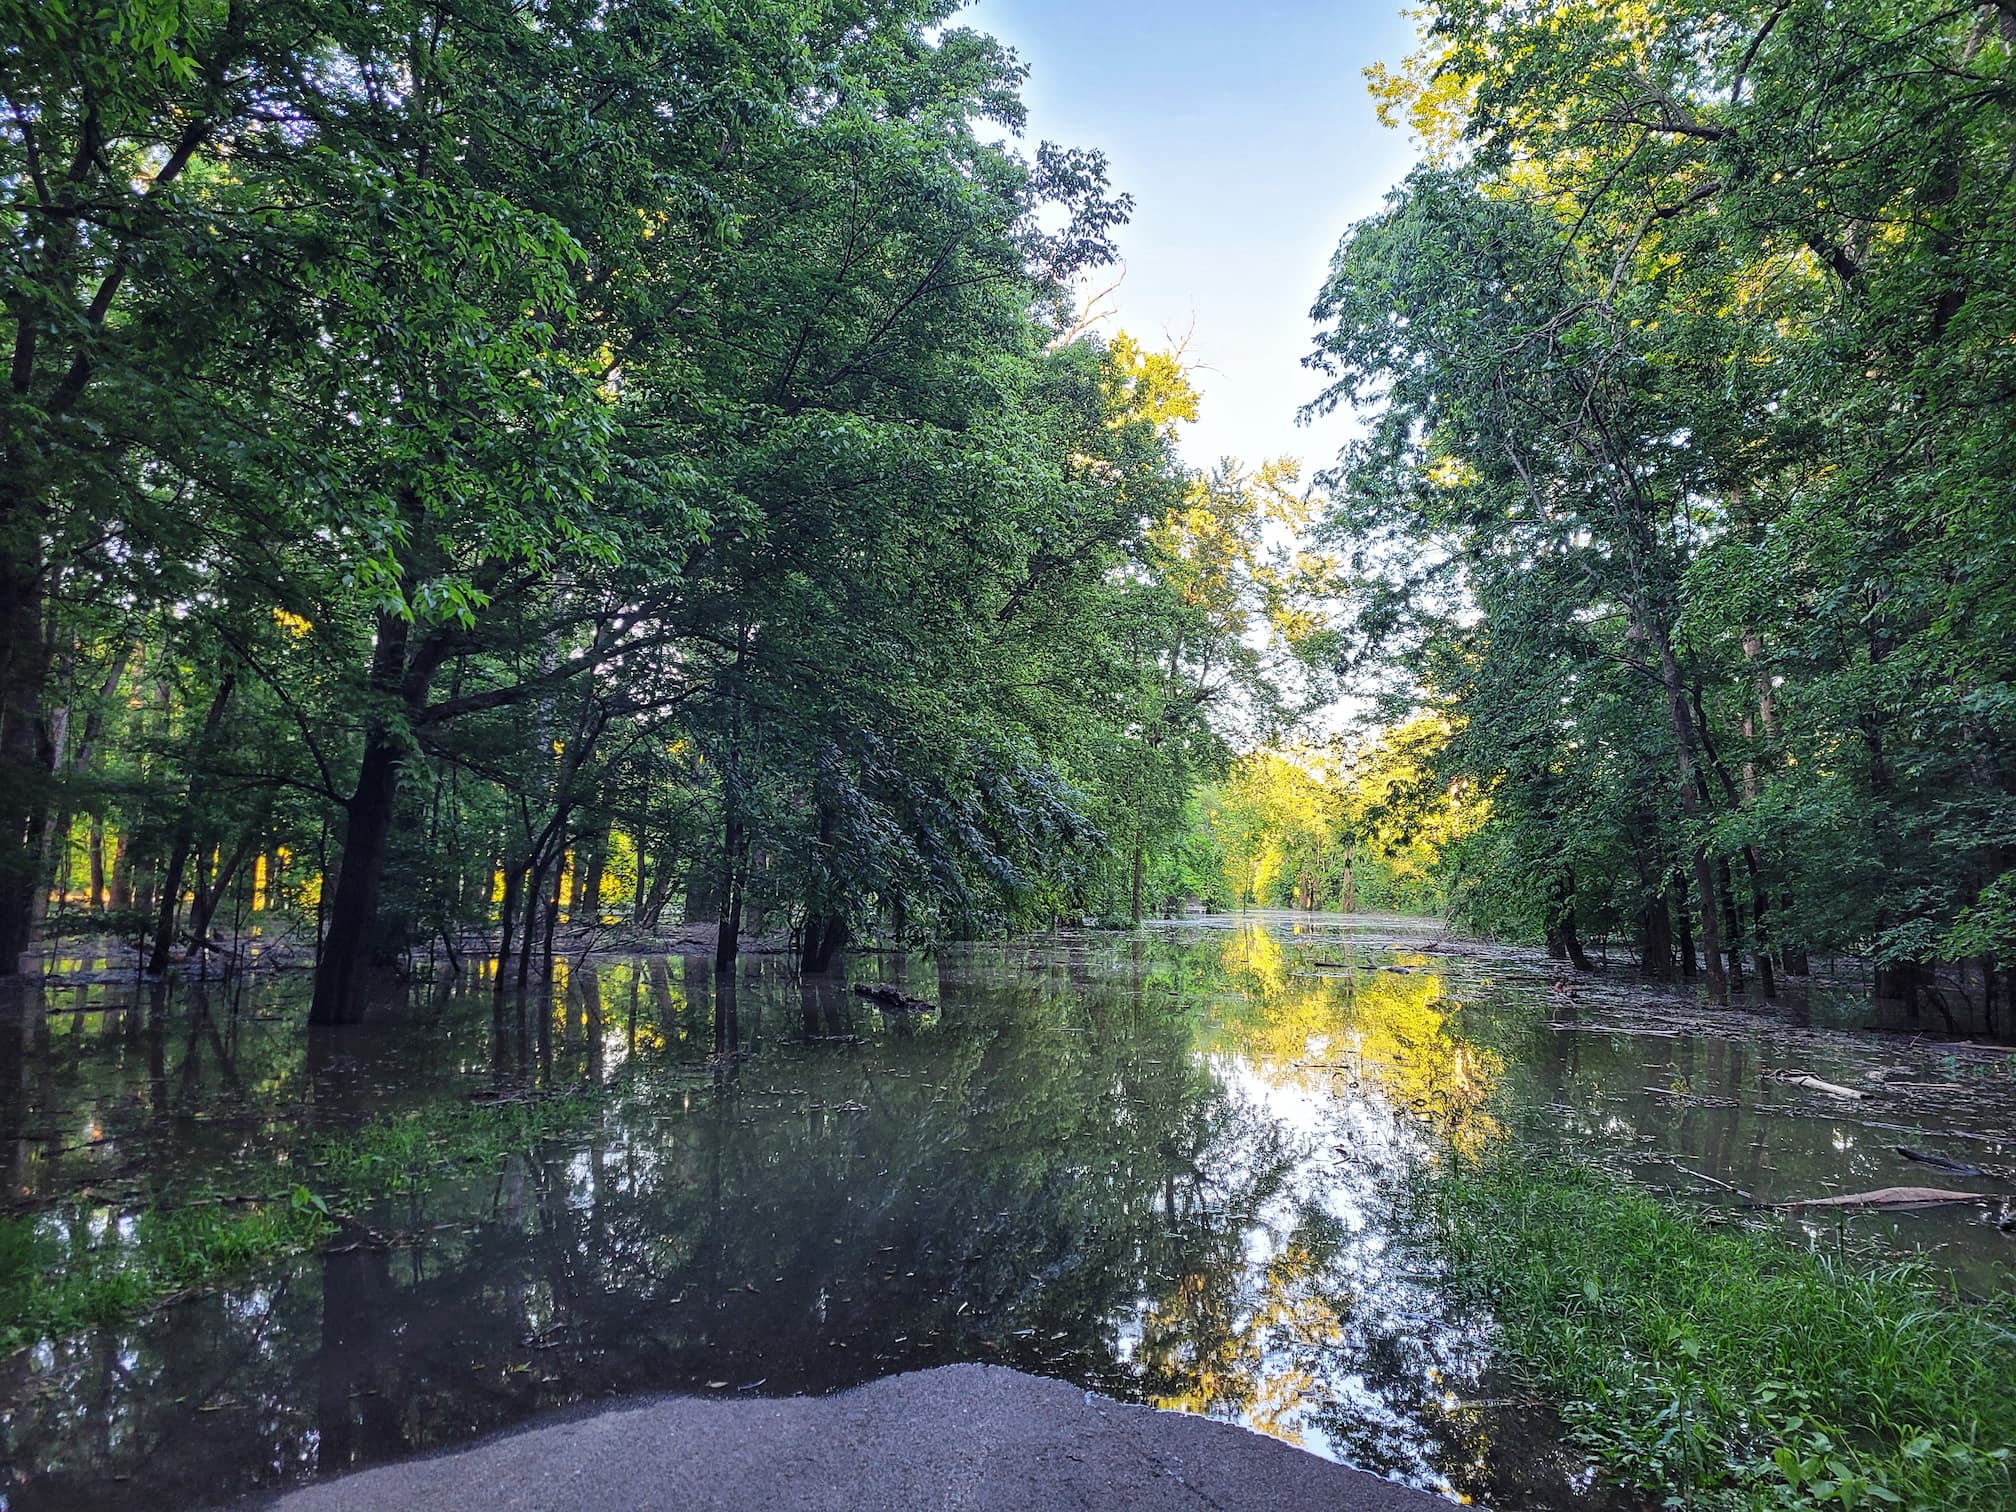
(353, 949)
(507, 914)
(825, 933)
(119, 890)
(1573, 940)
(350, 949)
(1563, 940)
(1901, 982)
(703, 889)
(27, 756)
(728, 939)
(587, 906)
(171, 903)
(825, 926)
(1760, 939)
(552, 914)
(1691, 805)
(1793, 957)
(1138, 868)
(1732, 923)
(205, 907)
(1655, 939)
(652, 907)
(97, 863)
(185, 828)
(1684, 923)
(535, 884)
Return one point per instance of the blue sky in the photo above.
(1247, 139)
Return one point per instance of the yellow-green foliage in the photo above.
(1319, 827)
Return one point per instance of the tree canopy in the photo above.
(465, 466)
(1686, 361)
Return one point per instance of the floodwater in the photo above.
(1163, 1166)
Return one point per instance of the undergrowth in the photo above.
(1729, 1365)
(79, 1266)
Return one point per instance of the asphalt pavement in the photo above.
(962, 1438)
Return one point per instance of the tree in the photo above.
(1734, 390)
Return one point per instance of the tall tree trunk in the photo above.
(728, 937)
(703, 895)
(651, 907)
(1561, 908)
(1732, 921)
(119, 890)
(1655, 938)
(1767, 982)
(1682, 722)
(185, 826)
(825, 926)
(97, 863)
(77, 760)
(535, 886)
(1794, 957)
(825, 935)
(208, 898)
(350, 947)
(553, 911)
(1135, 893)
(26, 757)
(1684, 924)
(588, 874)
(507, 915)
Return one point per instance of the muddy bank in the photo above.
(962, 1438)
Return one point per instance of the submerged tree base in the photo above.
(1726, 1364)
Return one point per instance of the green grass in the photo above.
(1726, 1365)
(79, 1266)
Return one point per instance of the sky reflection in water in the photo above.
(1159, 1166)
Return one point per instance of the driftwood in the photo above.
(1807, 1079)
(1888, 1199)
(1940, 1162)
(893, 1000)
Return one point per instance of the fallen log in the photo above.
(1807, 1079)
(1940, 1162)
(893, 1000)
(1887, 1199)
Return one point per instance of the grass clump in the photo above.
(76, 1268)
(79, 1266)
(1729, 1365)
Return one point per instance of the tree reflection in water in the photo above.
(1155, 1170)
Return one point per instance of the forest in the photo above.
(1687, 361)
(469, 470)
(637, 759)
(463, 465)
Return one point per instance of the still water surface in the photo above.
(1163, 1166)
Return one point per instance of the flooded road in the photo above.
(1162, 1166)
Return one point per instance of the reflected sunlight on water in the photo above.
(1160, 1165)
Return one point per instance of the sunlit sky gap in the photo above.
(1247, 139)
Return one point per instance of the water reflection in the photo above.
(1158, 1166)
